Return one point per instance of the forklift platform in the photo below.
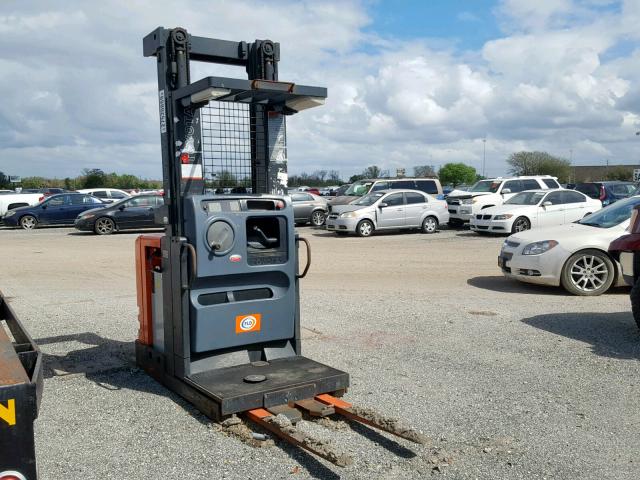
(285, 380)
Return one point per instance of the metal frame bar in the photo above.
(20, 394)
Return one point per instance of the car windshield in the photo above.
(485, 186)
(368, 199)
(525, 198)
(612, 215)
(359, 188)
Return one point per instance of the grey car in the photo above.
(309, 208)
(389, 209)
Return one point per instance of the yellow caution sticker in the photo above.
(8, 413)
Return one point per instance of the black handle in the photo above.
(267, 240)
(306, 268)
(194, 263)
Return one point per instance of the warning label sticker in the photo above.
(163, 112)
(191, 171)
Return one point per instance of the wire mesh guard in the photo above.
(243, 147)
(226, 146)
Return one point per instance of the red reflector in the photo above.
(184, 158)
(39, 200)
(279, 205)
(232, 258)
(12, 475)
(603, 193)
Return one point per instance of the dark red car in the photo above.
(626, 250)
(47, 192)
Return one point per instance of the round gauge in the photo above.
(220, 236)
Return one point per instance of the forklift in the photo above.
(218, 292)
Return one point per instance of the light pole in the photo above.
(484, 154)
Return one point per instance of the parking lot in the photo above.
(508, 380)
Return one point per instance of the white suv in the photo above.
(491, 193)
(107, 195)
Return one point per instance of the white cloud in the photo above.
(538, 15)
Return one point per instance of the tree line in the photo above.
(89, 178)
(519, 163)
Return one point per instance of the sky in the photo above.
(409, 82)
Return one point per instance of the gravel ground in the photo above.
(508, 380)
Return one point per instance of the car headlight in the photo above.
(10, 213)
(539, 248)
(506, 216)
(86, 217)
(348, 215)
(466, 201)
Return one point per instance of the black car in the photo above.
(60, 209)
(131, 213)
(607, 192)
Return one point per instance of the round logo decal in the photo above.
(248, 322)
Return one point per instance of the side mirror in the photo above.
(382, 205)
(121, 207)
(547, 204)
(506, 190)
(44, 207)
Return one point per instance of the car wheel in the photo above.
(635, 302)
(317, 218)
(588, 273)
(104, 226)
(365, 228)
(520, 225)
(430, 225)
(28, 222)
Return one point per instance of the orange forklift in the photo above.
(218, 292)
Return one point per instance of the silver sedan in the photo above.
(309, 208)
(387, 210)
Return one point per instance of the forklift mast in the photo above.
(245, 132)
